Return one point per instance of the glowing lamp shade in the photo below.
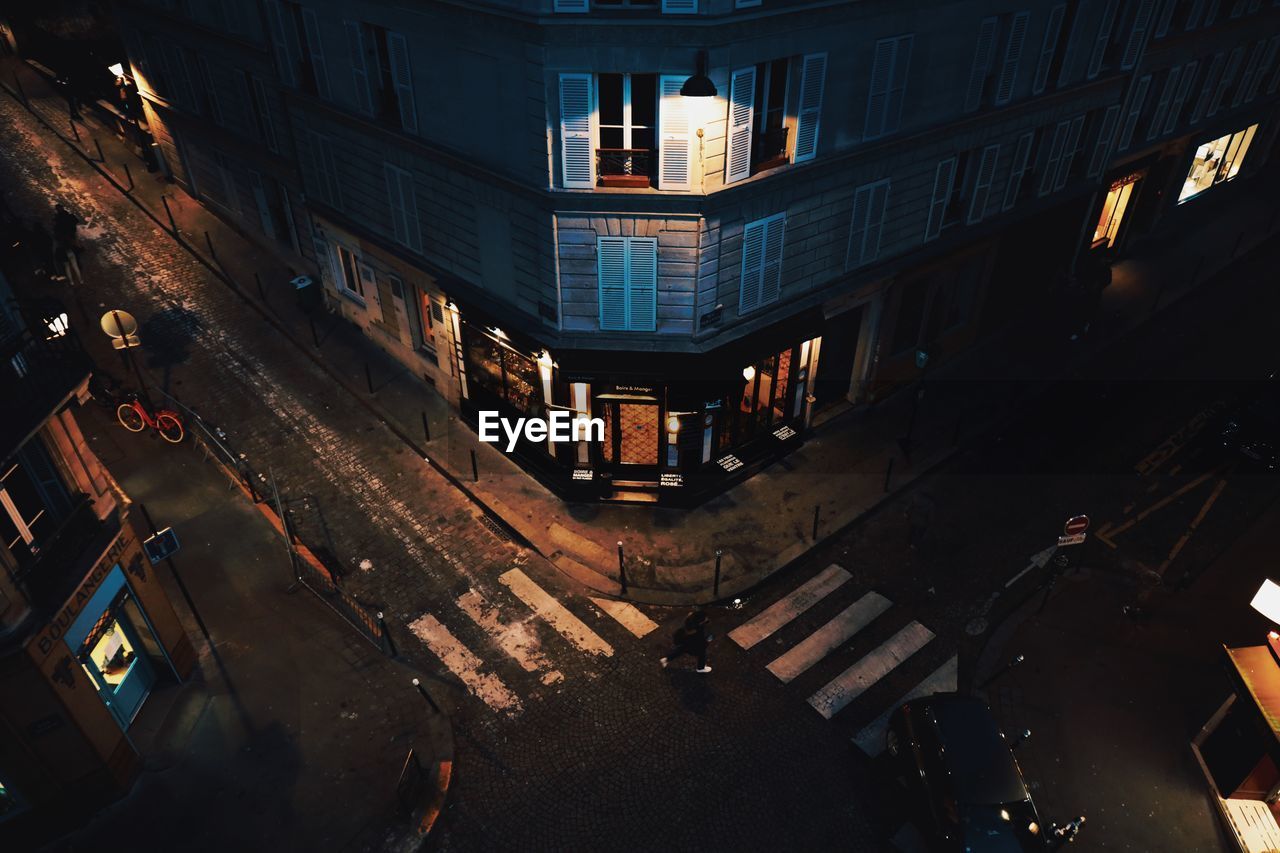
(117, 69)
(1267, 600)
(749, 372)
(673, 424)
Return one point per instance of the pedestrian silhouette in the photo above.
(691, 639)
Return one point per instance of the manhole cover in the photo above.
(976, 627)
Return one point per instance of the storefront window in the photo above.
(503, 372)
(1216, 161)
(1113, 210)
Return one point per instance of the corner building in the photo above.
(517, 201)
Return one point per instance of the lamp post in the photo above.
(699, 89)
(122, 328)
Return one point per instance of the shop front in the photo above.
(1216, 161)
(674, 428)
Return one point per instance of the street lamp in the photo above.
(122, 328)
(699, 85)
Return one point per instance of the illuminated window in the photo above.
(1216, 161)
(1113, 210)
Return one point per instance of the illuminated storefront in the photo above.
(677, 427)
(1216, 161)
(1114, 208)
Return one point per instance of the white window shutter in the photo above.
(1206, 88)
(858, 226)
(752, 265)
(1069, 150)
(1228, 74)
(1250, 68)
(875, 221)
(395, 204)
(1072, 52)
(878, 94)
(1211, 13)
(813, 75)
(982, 184)
(1104, 36)
(611, 272)
(1165, 19)
(1102, 146)
(571, 6)
(1166, 99)
(1264, 66)
(359, 72)
(982, 58)
(1055, 155)
(279, 42)
(1195, 14)
(402, 76)
(1052, 32)
(742, 96)
(771, 273)
(1012, 57)
(898, 82)
(577, 154)
(1180, 99)
(1138, 35)
(943, 179)
(642, 284)
(315, 47)
(1018, 169)
(679, 7)
(1136, 102)
(674, 147)
(409, 202)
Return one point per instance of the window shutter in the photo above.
(611, 271)
(183, 91)
(858, 226)
(1073, 44)
(642, 284)
(333, 185)
(1166, 17)
(210, 88)
(875, 221)
(359, 74)
(898, 82)
(673, 137)
(409, 203)
(679, 7)
(982, 184)
(1069, 153)
(1246, 79)
(1195, 14)
(771, 274)
(812, 79)
(1206, 88)
(1012, 56)
(280, 44)
(1228, 74)
(1106, 132)
(1138, 35)
(982, 58)
(577, 156)
(1055, 155)
(742, 90)
(752, 264)
(395, 204)
(1018, 169)
(1136, 102)
(1052, 31)
(1180, 99)
(324, 260)
(316, 48)
(571, 5)
(402, 76)
(1162, 105)
(265, 112)
(1264, 66)
(878, 94)
(1104, 35)
(943, 179)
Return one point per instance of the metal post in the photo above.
(102, 158)
(426, 695)
(177, 578)
(817, 513)
(315, 337)
(426, 427)
(368, 378)
(173, 226)
(26, 102)
(888, 473)
(284, 527)
(128, 173)
(75, 131)
(386, 635)
(475, 469)
(209, 242)
(622, 568)
(257, 278)
(715, 587)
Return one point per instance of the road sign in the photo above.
(161, 545)
(1072, 539)
(1076, 525)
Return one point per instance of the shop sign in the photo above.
(712, 404)
(44, 725)
(633, 389)
(583, 474)
(784, 432)
(671, 479)
(729, 463)
(161, 545)
(1071, 539)
(58, 624)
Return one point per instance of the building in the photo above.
(86, 631)
(515, 199)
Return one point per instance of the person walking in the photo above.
(691, 639)
(65, 243)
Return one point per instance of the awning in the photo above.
(1257, 675)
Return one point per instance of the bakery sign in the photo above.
(58, 625)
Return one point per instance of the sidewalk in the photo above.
(293, 730)
(847, 468)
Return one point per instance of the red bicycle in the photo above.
(135, 417)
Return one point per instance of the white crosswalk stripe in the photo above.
(945, 679)
(518, 638)
(627, 615)
(855, 680)
(788, 608)
(463, 663)
(817, 645)
(556, 614)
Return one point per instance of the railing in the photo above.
(50, 573)
(625, 167)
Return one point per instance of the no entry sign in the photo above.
(1076, 525)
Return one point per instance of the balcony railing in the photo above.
(625, 167)
(50, 573)
(770, 149)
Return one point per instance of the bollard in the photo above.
(209, 242)
(102, 158)
(75, 131)
(817, 513)
(128, 173)
(386, 635)
(173, 226)
(315, 337)
(426, 695)
(715, 587)
(622, 568)
(475, 469)
(368, 378)
(426, 427)
(26, 102)
(888, 472)
(257, 278)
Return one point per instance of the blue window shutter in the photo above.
(642, 284)
(611, 271)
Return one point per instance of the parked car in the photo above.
(966, 789)
(1253, 428)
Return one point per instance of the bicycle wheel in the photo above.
(169, 427)
(129, 417)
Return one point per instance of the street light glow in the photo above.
(1267, 600)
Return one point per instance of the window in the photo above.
(1180, 98)
(983, 57)
(429, 316)
(1012, 57)
(617, 4)
(404, 207)
(259, 109)
(322, 177)
(1228, 77)
(1069, 151)
(383, 75)
(357, 279)
(627, 270)
(1018, 170)
(1050, 171)
(1102, 145)
(33, 500)
(1103, 38)
(1113, 210)
(1049, 48)
(1216, 161)
(982, 184)
(769, 134)
(1264, 66)
(813, 73)
(1161, 111)
(1207, 87)
(1165, 19)
(889, 69)
(208, 90)
(295, 37)
(761, 280)
(943, 182)
(1138, 34)
(870, 202)
(759, 132)
(313, 56)
(1136, 101)
(628, 117)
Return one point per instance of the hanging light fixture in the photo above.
(749, 372)
(699, 85)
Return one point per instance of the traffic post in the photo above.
(1074, 531)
